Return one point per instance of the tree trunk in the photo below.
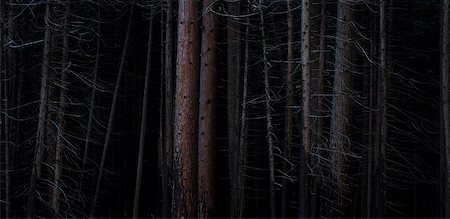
(62, 106)
(233, 68)
(289, 104)
(207, 113)
(43, 102)
(306, 97)
(184, 202)
(87, 140)
(244, 108)
(269, 133)
(113, 110)
(341, 106)
(169, 109)
(137, 189)
(382, 117)
(445, 120)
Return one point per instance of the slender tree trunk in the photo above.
(43, 102)
(444, 105)
(184, 202)
(320, 123)
(233, 68)
(269, 133)
(113, 110)
(143, 120)
(306, 97)
(137, 190)
(87, 140)
(341, 105)
(243, 119)
(207, 113)
(62, 106)
(3, 125)
(169, 109)
(289, 104)
(382, 116)
(371, 148)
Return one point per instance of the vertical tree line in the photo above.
(295, 108)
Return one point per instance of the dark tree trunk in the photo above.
(184, 202)
(207, 113)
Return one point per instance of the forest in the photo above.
(224, 109)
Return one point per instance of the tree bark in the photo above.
(341, 105)
(306, 97)
(207, 113)
(184, 202)
(113, 110)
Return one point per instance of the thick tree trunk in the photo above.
(169, 109)
(233, 69)
(145, 97)
(113, 110)
(43, 102)
(341, 106)
(445, 118)
(207, 113)
(269, 128)
(184, 202)
(62, 106)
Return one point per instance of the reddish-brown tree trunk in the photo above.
(207, 113)
(184, 203)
